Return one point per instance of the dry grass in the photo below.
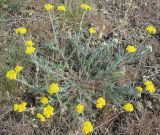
(109, 122)
(146, 123)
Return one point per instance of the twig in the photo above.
(107, 121)
(1, 116)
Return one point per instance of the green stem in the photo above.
(61, 105)
(80, 26)
(53, 29)
(24, 82)
(115, 65)
(89, 41)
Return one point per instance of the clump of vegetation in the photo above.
(76, 73)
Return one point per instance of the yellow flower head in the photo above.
(53, 88)
(15, 107)
(151, 29)
(29, 50)
(151, 89)
(148, 82)
(40, 117)
(139, 89)
(85, 6)
(128, 107)
(28, 43)
(44, 100)
(79, 108)
(11, 75)
(21, 30)
(100, 103)
(18, 69)
(20, 107)
(24, 104)
(48, 6)
(131, 49)
(92, 30)
(87, 127)
(149, 86)
(48, 111)
(61, 8)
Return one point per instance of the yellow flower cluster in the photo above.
(92, 30)
(131, 49)
(87, 127)
(18, 69)
(151, 29)
(79, 108)
(48, 6)
(20, 107)
(21, 30)
(12, 74)
(48, 111)
(40, 117)
(28, 44)
(139, 89)
(53, 88)
(149, 86)
(100, 103)
(85, 6)
(61, 8)
(44, 100)
(30, 50)
(29, 47)
(128, 107)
